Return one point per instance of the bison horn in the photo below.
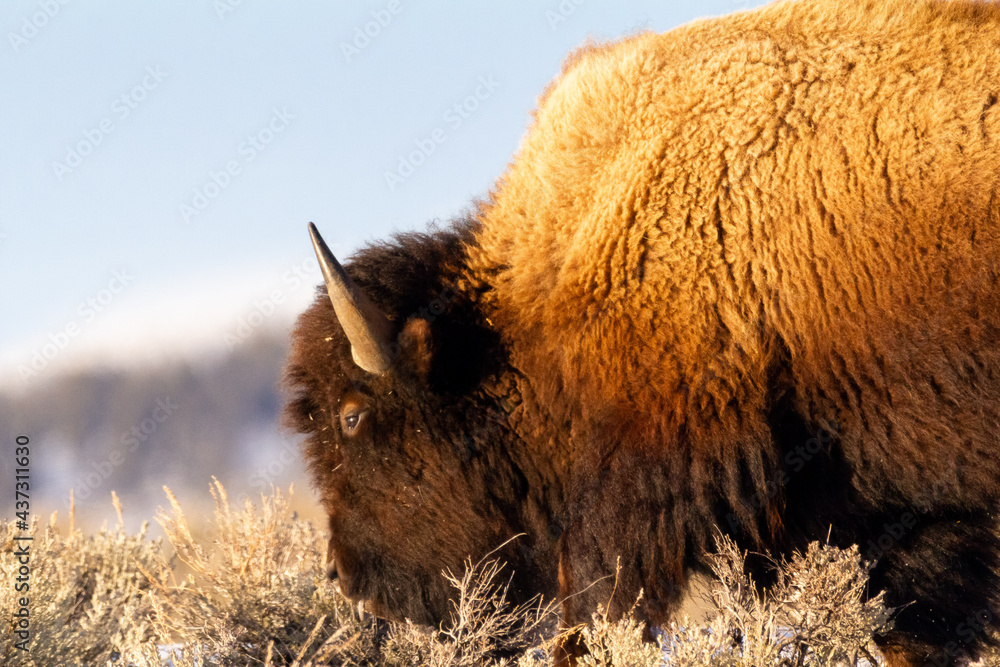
(369, 331)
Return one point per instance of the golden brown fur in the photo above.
(823, 173)
(800, 199)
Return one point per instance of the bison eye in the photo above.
(352, 412)
(350, 420)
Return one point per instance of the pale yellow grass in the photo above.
(251, 590)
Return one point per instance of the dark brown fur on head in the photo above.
(430, 474)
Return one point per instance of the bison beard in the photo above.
(740, 277)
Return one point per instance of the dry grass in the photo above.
(255, 594)
(86, 590)
(815, 615)
(484, 627)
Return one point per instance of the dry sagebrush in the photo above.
(816, 614)
(86, 592)
(256, 594)
(483, 629)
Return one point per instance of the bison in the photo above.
(740, 277)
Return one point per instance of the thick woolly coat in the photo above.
(720, 242)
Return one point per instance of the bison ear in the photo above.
(417, 348)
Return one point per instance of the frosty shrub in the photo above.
(815, 615)
(87, 592)
(484, 627)
(257, 594)
(254, 592)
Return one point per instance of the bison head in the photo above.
(395, 383)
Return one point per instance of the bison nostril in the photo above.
(331, 570)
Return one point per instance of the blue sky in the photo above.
(159, 160)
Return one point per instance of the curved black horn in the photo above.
(368, 329)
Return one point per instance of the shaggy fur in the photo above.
(740, 276)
